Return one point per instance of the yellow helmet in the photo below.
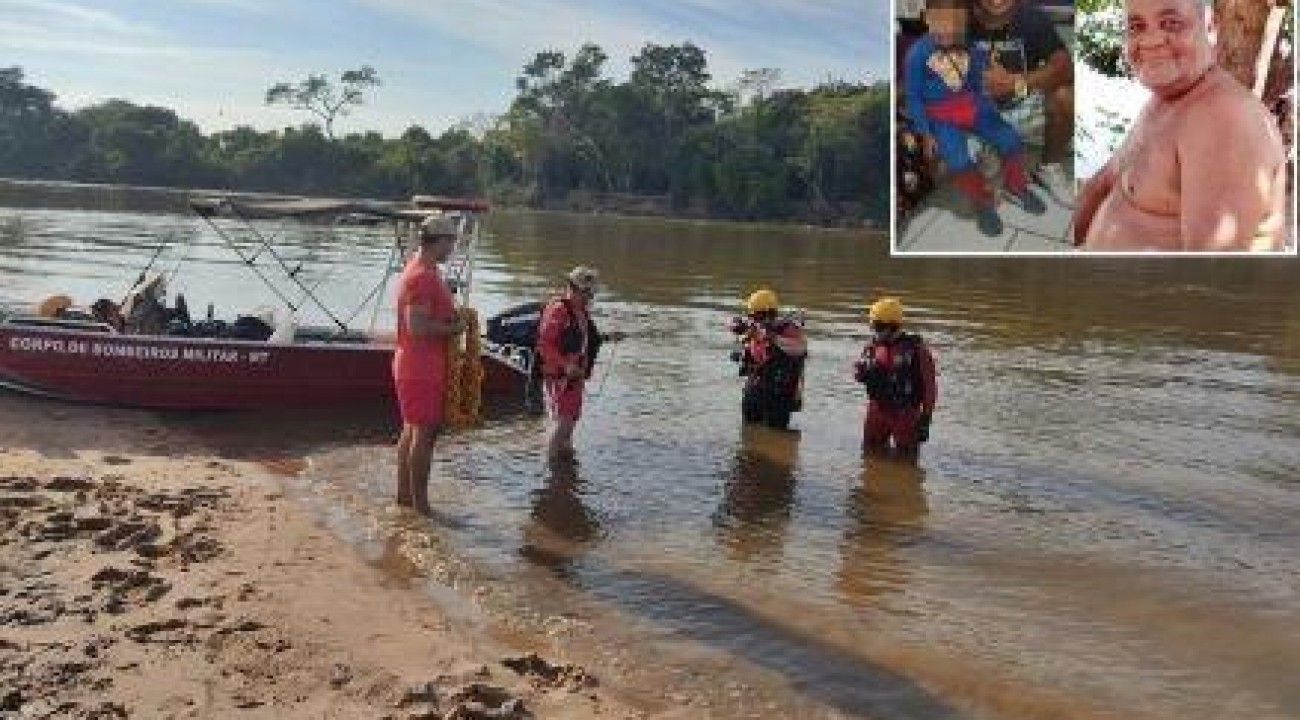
(761, 300)
(886, 310)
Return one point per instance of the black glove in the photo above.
(860, 372)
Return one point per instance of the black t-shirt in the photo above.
(1022, 45)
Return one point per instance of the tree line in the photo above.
(665, 139)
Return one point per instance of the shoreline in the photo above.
(174, 200)
(144, 580)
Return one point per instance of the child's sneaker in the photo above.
(988, 222)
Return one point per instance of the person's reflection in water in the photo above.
(758, 494)
(560, 526)
(886, 513)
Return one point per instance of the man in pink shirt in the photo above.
(426, 318)
(568, 342)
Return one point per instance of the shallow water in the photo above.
(1106, 522)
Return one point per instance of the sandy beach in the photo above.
(146, 580)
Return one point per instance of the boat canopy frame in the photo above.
(403, 217)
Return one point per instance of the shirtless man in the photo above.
(1203, 167)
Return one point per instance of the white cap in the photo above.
(439, 226)
(583, 278)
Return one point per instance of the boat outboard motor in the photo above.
(517, 326)
(249, 327)
(210, 326)
(209, 329)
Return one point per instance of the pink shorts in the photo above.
(420, 400)
(564, 398)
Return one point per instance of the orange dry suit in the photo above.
(900, 378)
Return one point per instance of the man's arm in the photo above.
(1225, 197)
(418, 306)
(1091, 195)
(1058, 72)
(421, 323)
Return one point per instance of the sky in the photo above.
(440, 61)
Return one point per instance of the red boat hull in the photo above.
(204, 374)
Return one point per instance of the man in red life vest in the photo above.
(771, 360)
(898, 370)
(568, 342)
(426, 318)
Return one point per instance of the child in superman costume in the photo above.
(946, 103)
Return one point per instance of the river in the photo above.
(1105, 523)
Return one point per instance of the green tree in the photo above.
(1090, 6)
(677, 78)
(554, 107)
(673, 81)
(571, 133)
(33, 133)
(320, 97)
(145, 145)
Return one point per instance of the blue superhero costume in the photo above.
(946, 100)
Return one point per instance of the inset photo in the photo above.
(1181, 140)
(985, 110)
(1185, 136)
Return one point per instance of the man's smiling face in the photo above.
(1167, 43)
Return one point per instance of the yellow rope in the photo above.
(465, 373)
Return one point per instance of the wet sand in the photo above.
(142, 579)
